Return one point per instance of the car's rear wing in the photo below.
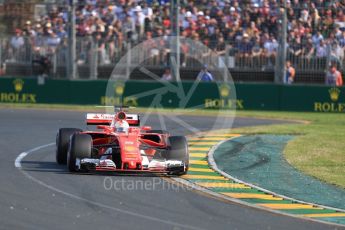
(106, 119)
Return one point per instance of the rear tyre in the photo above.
(178, 151)
(62, 140)
(79, 147)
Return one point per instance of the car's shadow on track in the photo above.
(44, 166)
(53, 167)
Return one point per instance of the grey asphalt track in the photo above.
(33, 199)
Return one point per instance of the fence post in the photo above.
(328, 58)
(54, 63)
(128, 60)
(281, 54)
(72, 65)
(94, 59)
(1, 64)
(226, 61)
(31, 54)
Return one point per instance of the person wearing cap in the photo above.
(139, 19)
(28, 30)
(188, 20)
(204, 75)
(200, 13)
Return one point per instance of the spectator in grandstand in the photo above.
(296, 47)
(308, 49)
(147, 10)
(256, 51)
(17, 44)
(44, 65)
(218, 50)
(221, 46)
(321, 50)
(17, 41)
(290, 73)
(53, 40)
(118, 33)
(167, 74)
(28, 30)
(204, 75)
(341, 39)
(153, 48)
(270, 49)
(139, 21)
(333, 76)
(251, 27)
(61, 32)
(336, 52)
(245, 46)
(128, 28)
(317, 38)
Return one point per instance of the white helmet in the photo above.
(121, 126)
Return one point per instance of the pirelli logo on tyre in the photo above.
(17, 96)
(333, 105)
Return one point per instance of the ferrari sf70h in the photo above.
(121, 145)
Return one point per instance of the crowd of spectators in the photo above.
(251, 28)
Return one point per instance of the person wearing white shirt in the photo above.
(167, 75)
(17, 41)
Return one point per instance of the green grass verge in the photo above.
(318, 150)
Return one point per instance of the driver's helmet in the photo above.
(121, 126)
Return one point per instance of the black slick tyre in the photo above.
(79, 147)
(62, 140)
(178, 151)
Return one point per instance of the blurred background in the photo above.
(252, 38)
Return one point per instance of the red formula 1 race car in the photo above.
(121, 145)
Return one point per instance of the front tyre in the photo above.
(79, 147)
(178, 151)
(62, 140)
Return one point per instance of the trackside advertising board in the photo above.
(187, 95)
